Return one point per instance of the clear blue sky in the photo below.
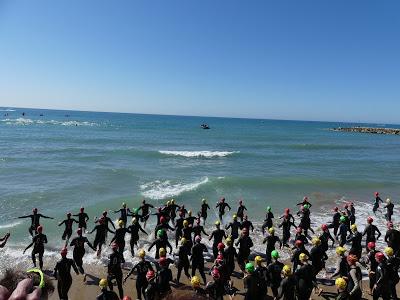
(310, 60)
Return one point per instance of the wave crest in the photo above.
(205, 154)
(164, 189)
(25, 121)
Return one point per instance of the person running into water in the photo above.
(79, 250)
(133, 229)
(38, 242)
(62, 272)
(240, 210)
(203, 210)
(101, 234)
(376, 203)
(389, 210)
(83, 218)
(145, 208)
(222, 205)
(35, 219)
(68, 227)
(125, 212)
(114, 270)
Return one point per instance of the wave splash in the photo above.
(25, 121)
(205, 154)
(165, 189)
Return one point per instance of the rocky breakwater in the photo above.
(373, 130)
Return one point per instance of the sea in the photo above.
(59, 161)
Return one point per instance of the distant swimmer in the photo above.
(82, 218)
(23, 114)
(222, 205)
(203, 212)
(3, 241)
(376, 203)
(35, 217)
(68, 227)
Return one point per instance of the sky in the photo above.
(301, 60)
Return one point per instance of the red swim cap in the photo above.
(215, 273)
(162, 219)
(162, 261)
(298, 243)
(39, 229)
(79, 231)
(379, 256)
(370, 220)
(371, 245)
(221, 246)
(324, 227)
(64, 252)
(351, 259)
(82, 209)
(150, 274)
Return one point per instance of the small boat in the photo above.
(205, 126)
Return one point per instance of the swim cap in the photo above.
(389, 251)
(228, 241)
(342, 219)
(222, 199)
(271, 230)
(34, 210)
(388, 201)
(114, 246)
(162, 252)
(298, 243)
(370, 220)
(195, 281)
(215, 273)
(351, 259)
(340, 283)
(217, 223)
(371, 245)
(79, 231)
(162, 220)
(324, 227)
(142, 253)
(287, 270)
(168, 203)
(287, 210)
(160, 233)
(190, 213)
(258, 259)
(316, 241)
(185, 223)
(240, 201)
(39, 229)
(299, 230)
(64, 252)
(379, 256)
(127, 298)
(234, 217)
(340, 250)
(103, 283)
(183, 241)
(134, 220)
(335, 208)
(102, 220)
(150, 275)
(220, 258)
(69, 214)
(197, 239)
(245, 217)
(353, 227)
(376, 194)
(82, 209)
(249, 267)
(204, 201)
(220, 246)
(275, 254)
(121, 223)
(268, 208)
(172, 201)
(306, 206)
(124, 205)
(303, 257)
(389, 224)
(135, 211)
(162, 261)
(105, 213)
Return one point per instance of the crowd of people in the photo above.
(231, 246)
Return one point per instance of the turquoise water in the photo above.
(58, 163)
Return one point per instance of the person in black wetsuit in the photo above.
(342, 268)
(152, 291)
(305, 277)
(105, 294)
(229, 255)
(271, 240)
(190, 218)
(114, 270)
(198, 229)
(125, 212)
(325, 236)
(79, 250)
(335, 221)
(83, 218)
(218, 234)
(381, 287)
(370, 231)
(145, 208)
(393, 265)
(160, 242)
(142, 267)
(68, 227)
(389, 210)
(274, 273)
(119, 237)
(62, 272)
(371, 264)
(247, 224)
(101, 233)
(107, 221)
(392, 238)
(245, 243)
(354, 278)
(262, 274)
(305, 221)
(35, 220)
(164, 276)
(3, 241)
(287, 288)
(222, 205)
(287, 215)
(38, 242)
(178, 228)
(355, 240)
(133, 229)
(240, 210)
(299, 249)
(304, 202)
(300, 236)
(203, 210)
(172, 210)
(159, 214)
(341, 286)
(268, 223)
(286, 224)
(234, 226)
(183, 260)
(317, 256)
(343, 230)
(187, 233)
(215, 289)
(197, 257)
(251, 283)
(376, 203)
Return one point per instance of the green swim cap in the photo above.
(250, 267)
(306, 206)
(160, 233)
(342, 219)
(275, 254)
(268, 208)
(135, 211)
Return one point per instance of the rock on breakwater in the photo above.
(373, 130)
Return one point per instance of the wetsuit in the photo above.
(245, 243)
(125, 212)
(203, 211)
(325, 237)
(234, 226)
(218, 235)
(382, 288)
(114, 271)
(295, 257)
(172, 211)
(355, 240)
(79, 251)
(82, 220)
(100, 238)
(221, 209)
(286, 224)
(376, 204)
(152, 291)
(187, 234)
(305, 222)
(68, 228)
(271, 240)
(389, 211)
(343, 295)
(141, 282)
(107, 221)
(160, 243)
(197, 259)
(392, 238)
(268, 223)
(240, 212)
(35, 221)
(198, 230)
(372, 268)
(134, 231)
(318, 258)
(262, 275)
(305, 281)
(107, 295)
(274, 276)
(216, 289)
(164, 278)
(342, 267)
(287, 289)
(354, 283)
(335, 223)
(178, 230)
(38, 242)
(252, 288)
(301, 237)
(164, 226)
(229, 257)
(191, 220)
(393, 264)
(183, 261)
(342, 234)
(247, 224)
(145, 208)
(370, 231)
(62, 272)
(119, 238)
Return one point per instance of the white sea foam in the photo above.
(7, 109)
(26, 121)
(10, 225)
(205, 154)
(165, 189)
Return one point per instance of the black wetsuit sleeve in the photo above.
(45, 217)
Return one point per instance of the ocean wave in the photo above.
(25, 121)
(205, 154)
(165, 189)
(10, 225)
(7, 109)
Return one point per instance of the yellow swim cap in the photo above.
(162, 252)
(190, 213)
(341, 283)
(103, 283)
(195, 281)
(228, 240)
(217, 223)
(303, 257)
(183, 241)
(286, 270)
(234, 216)
(121, 223)
(340, 250)
(185, 223)
(389, 251)
(271, 230)
(133, 220)
(316, 241)
(142, 253)
(258, 259)
(353, 227)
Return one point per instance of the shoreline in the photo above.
(371, 130)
